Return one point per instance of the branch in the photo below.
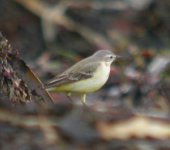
(56, 15)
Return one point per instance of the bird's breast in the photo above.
(102, 74)
(97, 81)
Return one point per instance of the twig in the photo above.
(56, 15)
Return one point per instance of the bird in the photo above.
(86, 76)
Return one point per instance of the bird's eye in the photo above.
(111, 57)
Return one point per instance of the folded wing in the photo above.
(72, 75)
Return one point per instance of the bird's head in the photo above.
(105, 55)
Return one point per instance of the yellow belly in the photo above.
(88, 85)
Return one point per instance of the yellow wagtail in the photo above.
(86, 76)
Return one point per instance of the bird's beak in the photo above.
(118, 56)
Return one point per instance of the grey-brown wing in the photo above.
(77, 74)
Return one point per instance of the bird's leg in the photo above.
(83, 99)
(69, 97)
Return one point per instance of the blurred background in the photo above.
(52, 35)
(131, 112)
